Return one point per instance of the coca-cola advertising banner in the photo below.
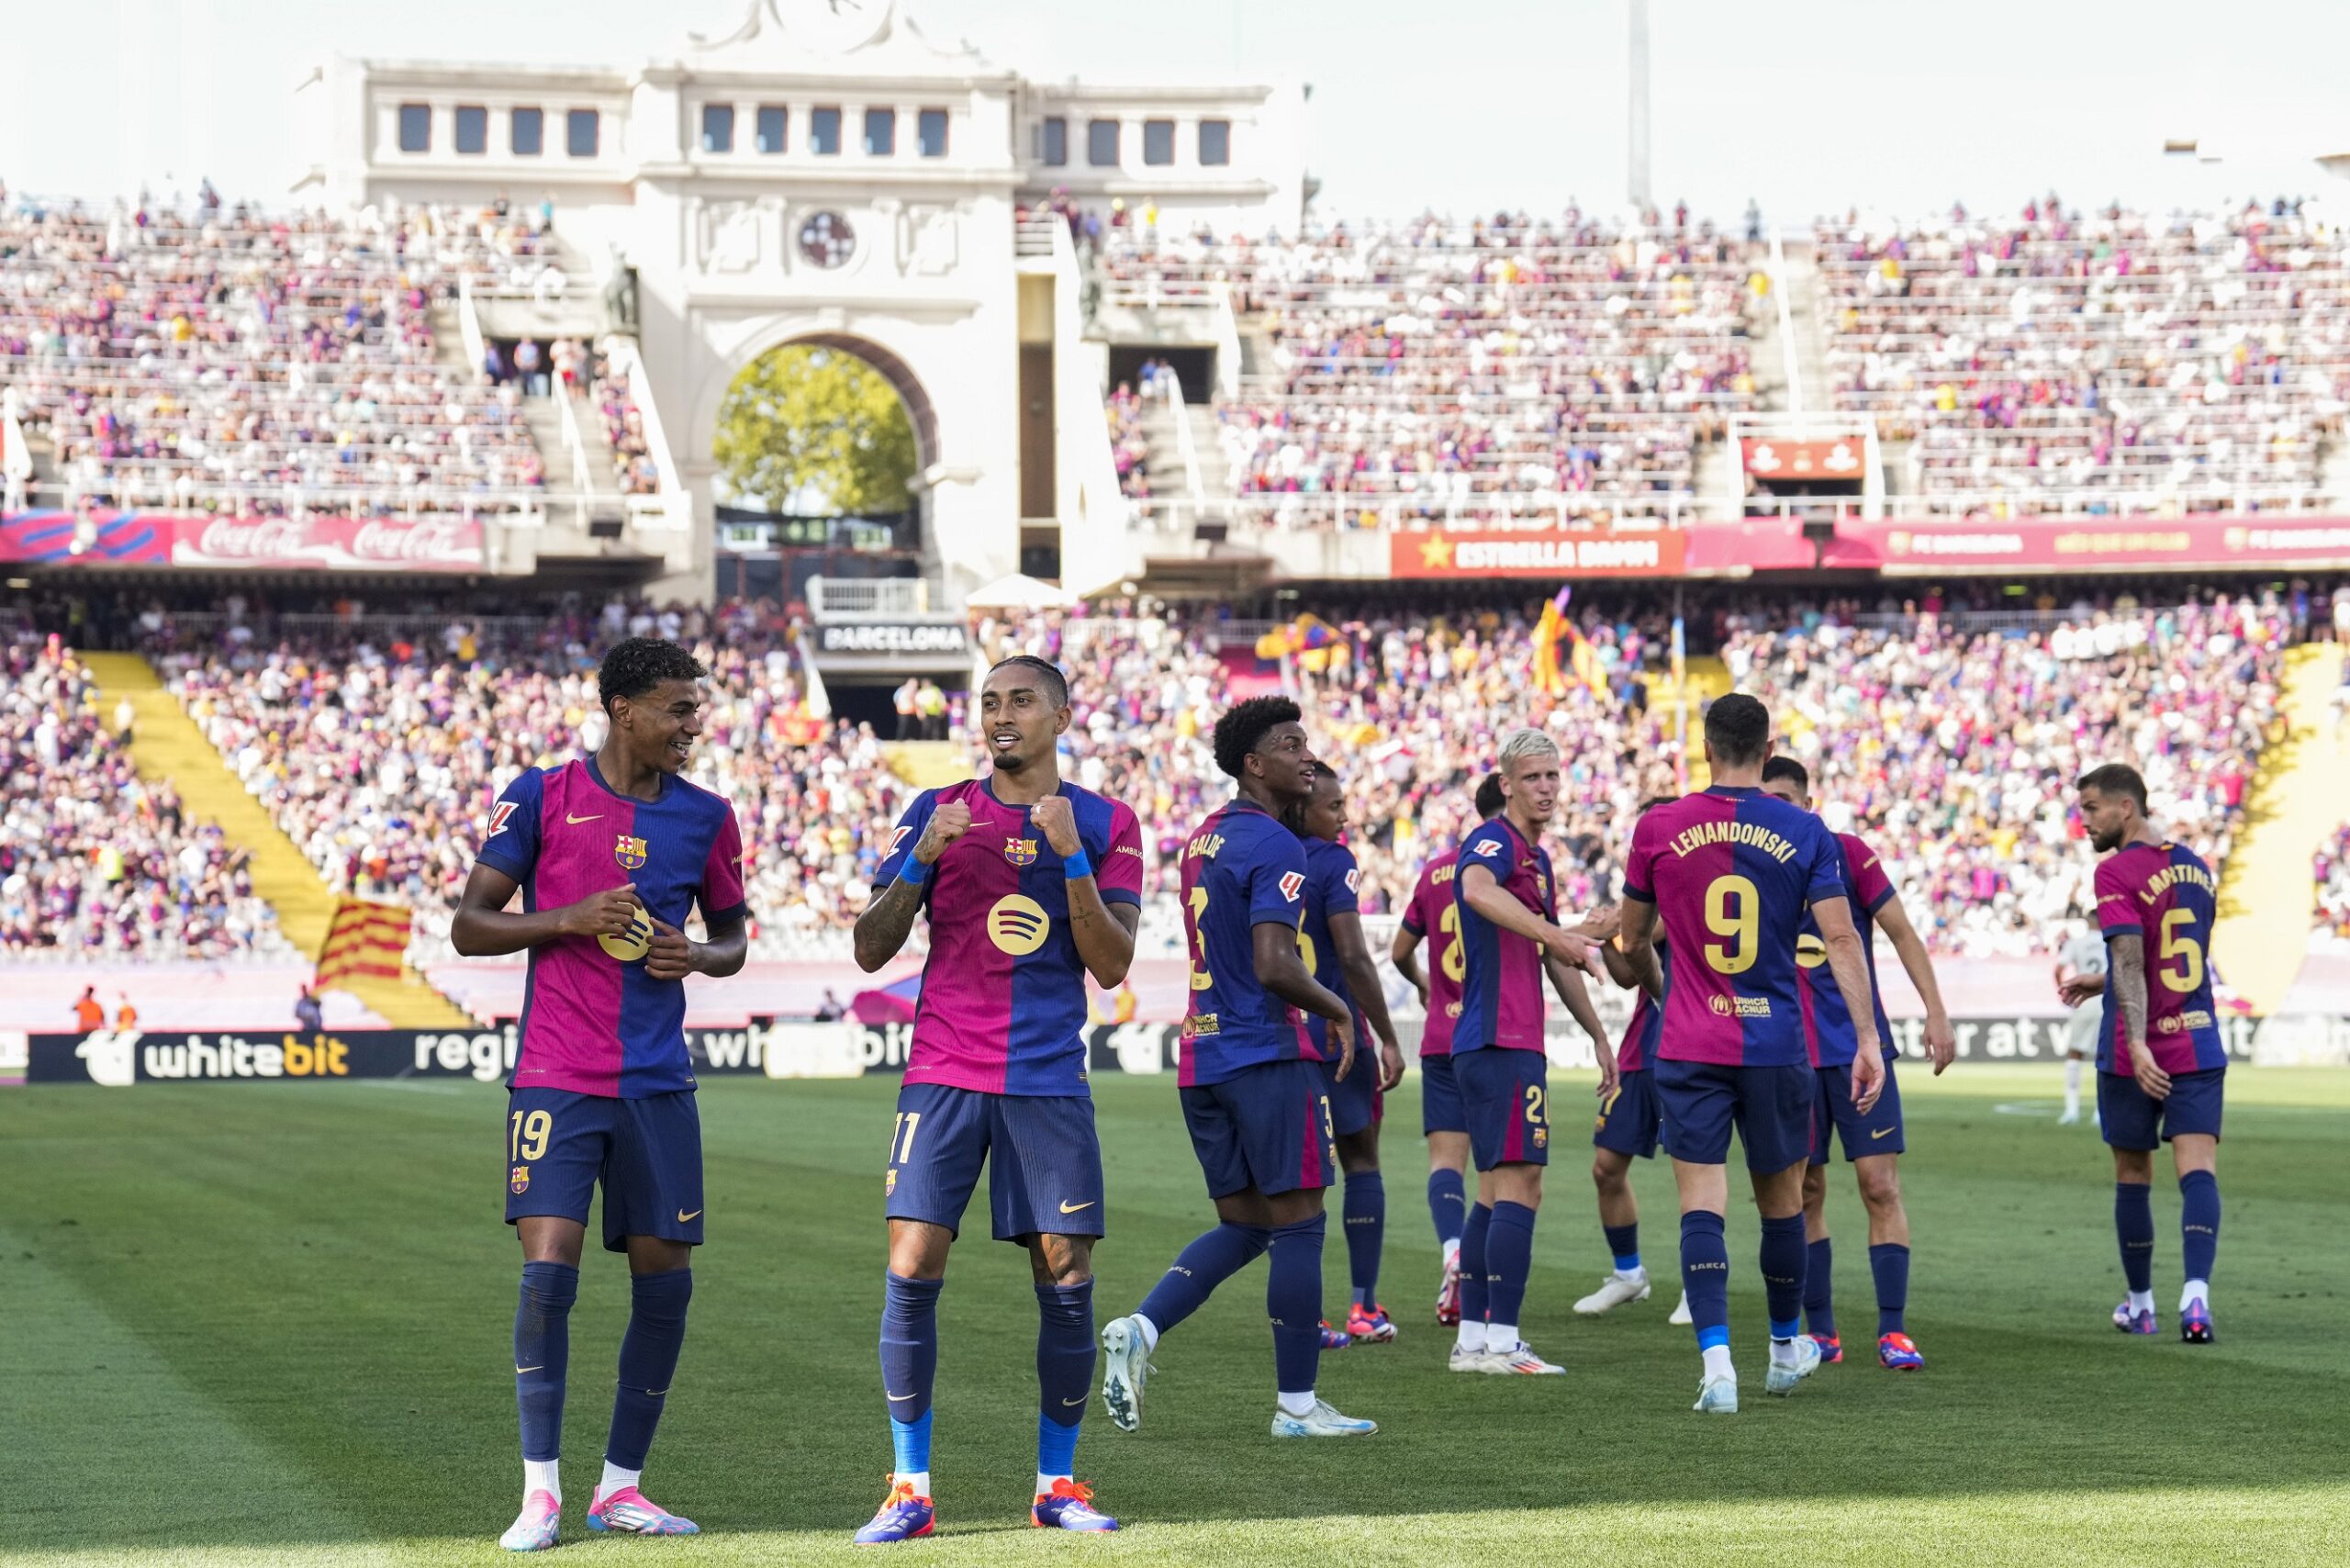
(1622, 553)
(171, 539)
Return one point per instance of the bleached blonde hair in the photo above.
(1523, 743)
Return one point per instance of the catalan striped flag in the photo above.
(365, 941)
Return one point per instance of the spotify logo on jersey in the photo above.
(633, 944)
(1018, 925)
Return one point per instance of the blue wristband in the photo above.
(1075, 865)
(913, 871)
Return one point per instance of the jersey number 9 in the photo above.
(1742, 925)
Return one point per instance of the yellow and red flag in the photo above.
(365, 941)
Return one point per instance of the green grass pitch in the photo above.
(270, 1324)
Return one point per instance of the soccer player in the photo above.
(1331, 940)
(1510, 935)
(1873, 1142)
(1255, 1101)
(1432, 914)
(610, 853)
(2080, 955)
(2161, 1068)
(1627, 1128)
(1729, 872)
(1030, 884)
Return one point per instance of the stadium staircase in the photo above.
(1705, 677)
(1807, 314)
(2294, 805)
(168, 747)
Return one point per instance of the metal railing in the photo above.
(676, 507)
(1499, 511)
(469, 328)
(1032, 234)
(868, 595)
(1186, 447)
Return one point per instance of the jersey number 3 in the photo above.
(1200, 978)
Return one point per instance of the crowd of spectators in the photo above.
(1129, 450)
(224, 359)
(96, 862)
(1433, 369)
(1956, 753)
(2331, 874)
(2061, 360)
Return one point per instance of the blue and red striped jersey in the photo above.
(1730, 871)
(1241, 869)
(1432, 914)
(1501, 980)
(592, 1022)
(2165, 896)
(1827, 1031)
(1002, 1004)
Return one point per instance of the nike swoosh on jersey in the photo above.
(575, 821)
(1069, 1208)
(683, 1216)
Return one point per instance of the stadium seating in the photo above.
(1425, 366)
(95, 862)
(2331, 873)
(2107, 362)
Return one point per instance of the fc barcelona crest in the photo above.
(519, 1181)
(1020, 851)
(629, 853)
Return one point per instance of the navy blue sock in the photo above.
(2134, 1222)
(1448, 1203)
(1509, 1259)
(1624, 1245)
(1294, 1301)
(1366, 1217)
(1473, 1264)
(1889, 1261)
(909, 1364)
(1782, 1271)
(543, 1354)
(1064, 1371)
(1819, 1288)
(1705, 1274)
(656, 1332)
(1212, 1257)
(2199, 1222)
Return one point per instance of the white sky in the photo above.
(1809, 105)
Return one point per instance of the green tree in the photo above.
(811, 428)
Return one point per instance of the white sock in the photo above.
(1500, 1337)
(2142, 1301)
(1632, 1276)
(614, 1479)
(918, 1479)
(2197, 1290)
(1299, 1404)
(1717, 1363)
(542, 1476)
(1149, 1333)
(1473, 1336)
(1453, 1253)
(2071, 1086)
(1782, 1353)
(1044, 1482)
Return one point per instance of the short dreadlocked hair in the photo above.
(1055, 684)
(1244, 725)
(638, 665)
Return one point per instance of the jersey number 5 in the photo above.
(1741, 923)
(2189, 974)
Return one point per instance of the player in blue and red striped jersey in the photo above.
(1255, 1101)
(1331, 940)
(1432, 915)
(610, 853)
(1627, 1129)
(1873, 1142)
(1510, 935)
(2161, 1068)
(1729, 872)
(1031, 884)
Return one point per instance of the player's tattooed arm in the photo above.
(2126, 983)
(886, 924)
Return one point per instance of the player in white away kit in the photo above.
(2081, 954)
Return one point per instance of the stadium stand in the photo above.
(2331, 873)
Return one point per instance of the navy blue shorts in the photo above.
(2132, 1118)
(1268, 1128)
(1045, 1163)
(1505, 1095)
(1771, 1106)
(647, 1154)
(1354, 1102)
(1879, 1132)
(1440, 1109)
(1628, 1119)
